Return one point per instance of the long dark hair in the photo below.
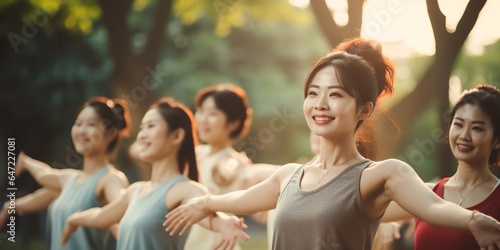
(176, 115)
(114, 115)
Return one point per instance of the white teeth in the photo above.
(464, 146)
(322, 118)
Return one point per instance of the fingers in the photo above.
(222, 245)
(175, 227)
(244, 236)
(172, 218)
(397, 234)
(186, 228)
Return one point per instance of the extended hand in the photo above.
(486, 230)
(184, 216)
(231, 230)
(69, 229)
(21, 158)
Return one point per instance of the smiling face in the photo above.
(471, 135)
(212, 123)
(155, 142)
(329, 110)
(88, 133)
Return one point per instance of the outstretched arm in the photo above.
(394, 212)
(247, 201)
(230, 227)
(43, 173)
(405, 187)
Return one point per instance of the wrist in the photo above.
(470, 221)
(205, 204)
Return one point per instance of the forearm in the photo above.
(447, 214)
(93, 217)
(36, 201)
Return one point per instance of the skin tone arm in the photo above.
(34, 202)
(112, 213)
(380, 184)
(247, 201)
(43, 173)
(403, 185)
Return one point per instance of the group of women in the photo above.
(335, 201)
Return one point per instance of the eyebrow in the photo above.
(477, 122)
(329, 87)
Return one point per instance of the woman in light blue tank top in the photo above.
(167, 142)
(337, 200)
(95, 135)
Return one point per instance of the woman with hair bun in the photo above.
(337, 200)
(96, 133)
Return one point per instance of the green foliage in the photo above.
(480, 69)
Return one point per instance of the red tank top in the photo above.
(428, 237)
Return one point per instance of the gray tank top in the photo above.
(329, 217)
(78, 196)
(141, 225)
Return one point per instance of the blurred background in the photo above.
(56, 54)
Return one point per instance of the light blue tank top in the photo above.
(78, 196)
(141, 225)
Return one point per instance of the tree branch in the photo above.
(326, 22)
(438, 21)
(468, 20)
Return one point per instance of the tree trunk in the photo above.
(135, 76)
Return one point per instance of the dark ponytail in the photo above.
(177, 116)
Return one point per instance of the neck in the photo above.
(95, 162)
(338, 152)
(164, 169)
(216, 147)
(468, 175)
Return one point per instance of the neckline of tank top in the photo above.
(330, 181)
(96, 173)
(159, 187)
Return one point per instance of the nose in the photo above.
(322, 103)
(140, 135)
(465, 135)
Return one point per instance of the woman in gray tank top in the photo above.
(336, 201)
(166, 140)
(95, 134)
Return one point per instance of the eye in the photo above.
(335, 94)
(477, 128)
(457, 124)
(312, 93)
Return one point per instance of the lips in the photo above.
(464, 148)
(322, 119)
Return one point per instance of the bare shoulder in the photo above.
(134, 186)
(115, 174)
(284, 173)
(388, 168)
(190, 187)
